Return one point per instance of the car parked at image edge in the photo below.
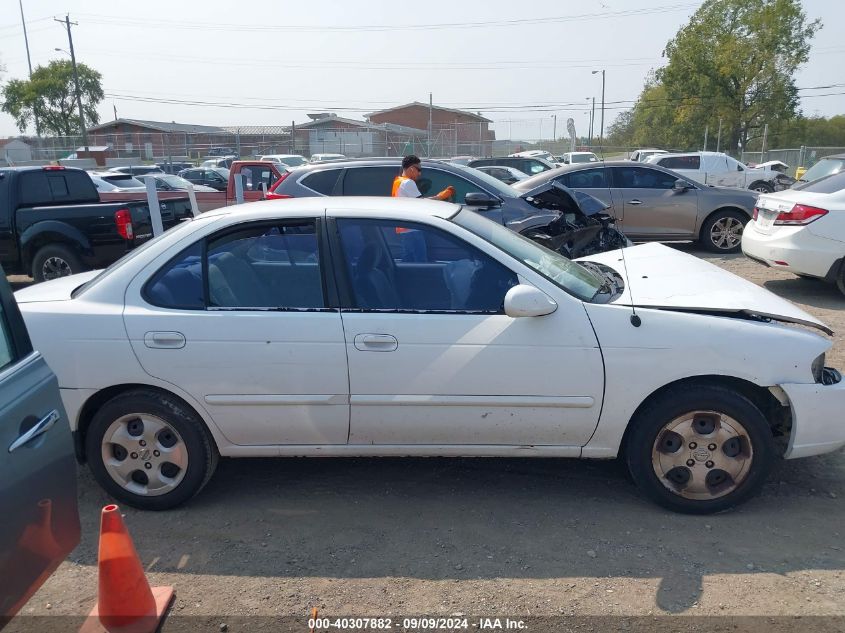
(651, 203)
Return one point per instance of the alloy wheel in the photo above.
(726, 233)
(55, 267)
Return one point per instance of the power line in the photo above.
(96, 18)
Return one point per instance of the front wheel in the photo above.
(722, 231)
(762, 187)
(149, 450)
(700, 449)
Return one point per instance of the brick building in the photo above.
(150, 140)
(454, 132)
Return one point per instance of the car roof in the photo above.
(399, 208)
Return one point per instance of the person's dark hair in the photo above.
(410, 160)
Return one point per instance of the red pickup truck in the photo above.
(253, 172)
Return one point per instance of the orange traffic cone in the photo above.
(126, 603)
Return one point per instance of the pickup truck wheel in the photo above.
(149, 450)
(722, 231)
(762, 187)
(54, 261)
(700, 450)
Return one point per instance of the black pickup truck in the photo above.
(53, 224)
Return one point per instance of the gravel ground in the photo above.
(483, 536)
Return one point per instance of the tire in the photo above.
(669, 442)
(722, 231)
(170, 430)
(54, 261)
(762, 187)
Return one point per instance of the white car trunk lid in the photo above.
(56, 289)
(662, 277)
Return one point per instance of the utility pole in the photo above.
(68, 24)
(554, 128)
(706, 129)
(592, 119)
(719, 135)
(29, 63)
(763, 148)
(430, 108)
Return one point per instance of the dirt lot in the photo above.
(486, 537)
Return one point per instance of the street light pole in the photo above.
(68, 24)
(29, 63)
(601, 134)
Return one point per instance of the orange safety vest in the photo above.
(397, 182)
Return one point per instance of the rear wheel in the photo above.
(54, 261)
(722, 231)
(700, 449)
(149, 450)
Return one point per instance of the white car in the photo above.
(718, 169)
(801, 230)
(392, 326)
(289, 160)
(575, 158)
(115, 181)
(325, 158)
(640, 155)
(535, 153)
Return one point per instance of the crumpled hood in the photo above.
(54, 290)
(662, 277)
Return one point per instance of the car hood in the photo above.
(661, 277)
(553, 195)
(56, 289)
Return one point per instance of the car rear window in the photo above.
(44, 187)
(322, 181)
(827, 184)
(680, 162)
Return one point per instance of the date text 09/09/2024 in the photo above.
(416, 623)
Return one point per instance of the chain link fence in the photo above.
(796, 157)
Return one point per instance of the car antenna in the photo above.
(636, 321)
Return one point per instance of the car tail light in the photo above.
(800, 215)
(53, 168)
(123, 220)
(272, 195)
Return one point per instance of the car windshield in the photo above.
(824, 167)
(293, 161)
(491, 183)
(569, 275)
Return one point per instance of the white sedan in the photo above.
(801, 230)
(379, 326)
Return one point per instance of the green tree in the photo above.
(51, 95)
(735, 60)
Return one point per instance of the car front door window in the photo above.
(433, 181)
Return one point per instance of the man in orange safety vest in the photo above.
(405, 185)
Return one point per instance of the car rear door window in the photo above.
(369, 181)
(642, 178)
(405, 266)
(322, 181)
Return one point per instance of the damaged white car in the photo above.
(318, 327)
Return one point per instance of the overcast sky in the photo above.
(273, 62)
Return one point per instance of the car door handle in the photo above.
(44, 425)
(376, 343)
(635, 201)
(164, 340)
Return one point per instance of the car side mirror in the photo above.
(527, 301)
(680, 185)
(479, 199)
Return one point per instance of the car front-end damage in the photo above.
(579, 224)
